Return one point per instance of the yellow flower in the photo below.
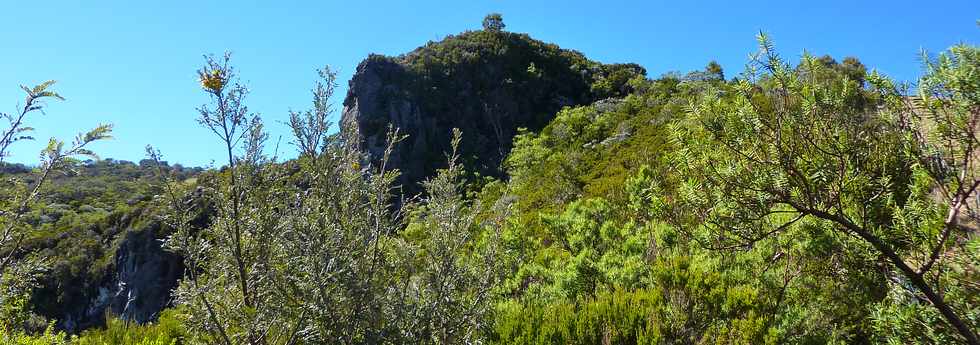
(213, 81)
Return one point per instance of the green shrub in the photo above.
(168, 330)
(49, 337)
(612, 317)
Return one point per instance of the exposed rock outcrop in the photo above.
(145, 276)
(139, 275)
(137, 287)
(487, 84)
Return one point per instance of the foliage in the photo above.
(590, 151)
(813, 204)
(776, 276)
(20, 265)
(612, 317)
(48, 337)
(168, 330)
(591, 253)
(493, 22)
(311, 251)
(87, 217)
(239, 244)
(450, 261)
(785, 146)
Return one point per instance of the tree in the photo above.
(336, 233)
(228, 262)
(450, 261)
(493, 22)
(807, 150)
(714, 69)
(312, 250)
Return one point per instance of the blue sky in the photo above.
(132, 63)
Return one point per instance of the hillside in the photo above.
(536, 197)
(101, 233)
(486, 83)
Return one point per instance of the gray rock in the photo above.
(145, 276)
(138, 286)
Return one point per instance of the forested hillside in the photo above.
(491, 188)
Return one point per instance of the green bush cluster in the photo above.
(599, 219)
(167, 330)
(612, 317)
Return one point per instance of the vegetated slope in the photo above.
(486, 83)
(594, 261)
(101, 232)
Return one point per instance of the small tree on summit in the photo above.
(493, 22)
(714, 69)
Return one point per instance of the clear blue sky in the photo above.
(132, 63)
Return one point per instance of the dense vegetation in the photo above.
(807, 203)
(88, 215)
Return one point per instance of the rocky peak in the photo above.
(487, 84)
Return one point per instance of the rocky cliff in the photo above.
(138, 287)
(102, 236)
(487, 84)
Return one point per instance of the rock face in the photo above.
(487, 84)
(145, 276)
(137, 288)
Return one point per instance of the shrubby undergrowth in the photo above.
(806, 203)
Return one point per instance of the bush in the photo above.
(49, 337)
(612, 317)
(168, 330)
